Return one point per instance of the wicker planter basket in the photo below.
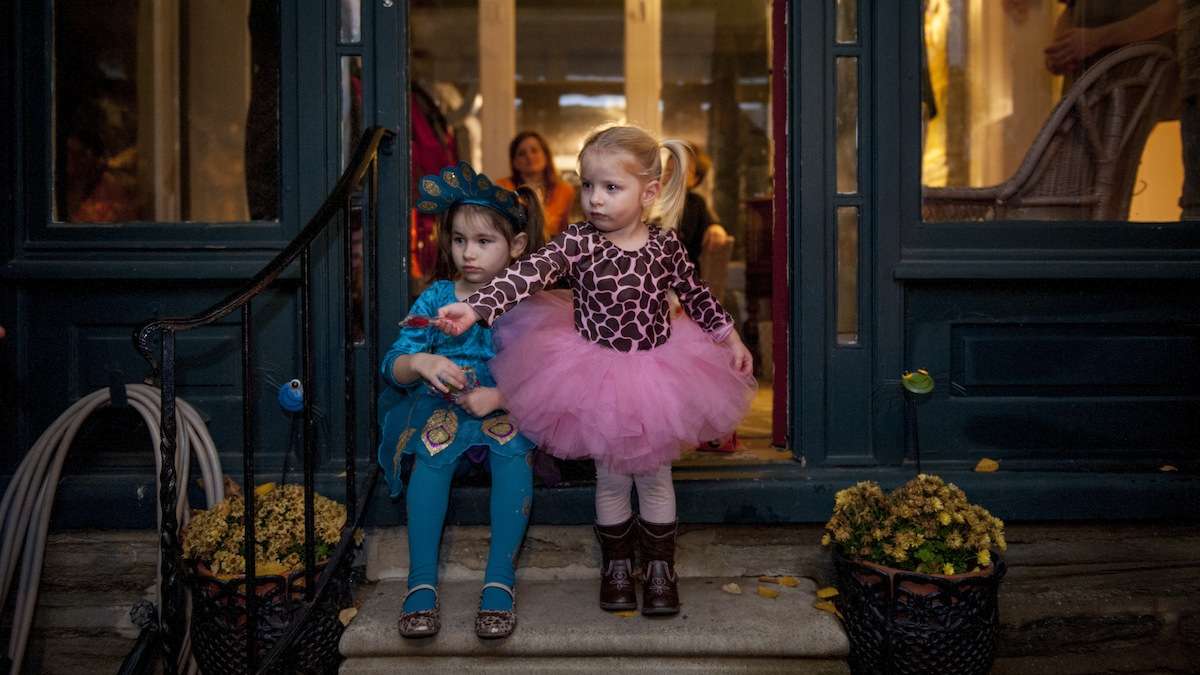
(904, 623)
(219, 620)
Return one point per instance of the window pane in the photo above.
(847, 124)
(154, 120)
(716, 95)
(565, 87)
(350, 21)
(1021, 125)
(847, 275)
(351, 121)
(847, 20)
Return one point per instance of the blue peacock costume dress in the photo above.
(417, 420)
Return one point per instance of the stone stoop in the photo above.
(562, 630)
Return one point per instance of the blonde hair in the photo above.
(646, 152)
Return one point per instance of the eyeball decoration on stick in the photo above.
(291, 396)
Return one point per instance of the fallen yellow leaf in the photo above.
(825, 606)
(827, 592)
(626, 614)
(768, 580)
(790, 582)
(986, 465)
(770, 593)
(263, 489)
(1168, 467)
(347, 615)
(733, 588)
(270, 568)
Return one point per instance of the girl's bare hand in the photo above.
(481, 401)
(743, 361)
(439, 372)
(456, 318)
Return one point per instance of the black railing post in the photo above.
(251, 547)
(310, 436)
(350, 392)
(171, 615)
(371, 272)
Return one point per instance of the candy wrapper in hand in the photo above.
(455, 392)
(420, 321)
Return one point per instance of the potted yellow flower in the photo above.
(213, 550)
(918, 574)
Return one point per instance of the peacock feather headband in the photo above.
(462, 185)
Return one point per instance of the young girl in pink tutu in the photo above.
(616, 379)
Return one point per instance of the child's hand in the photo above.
(456, 318)
(439, 372)
(481, 401)
(743, 361)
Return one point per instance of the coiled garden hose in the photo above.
(25, 508)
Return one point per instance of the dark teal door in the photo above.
(153, 167)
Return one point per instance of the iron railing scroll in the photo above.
(363, 168)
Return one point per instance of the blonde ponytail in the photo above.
(674, 188)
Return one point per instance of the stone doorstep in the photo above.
(561, 620)
(492, 665)
(554, 552)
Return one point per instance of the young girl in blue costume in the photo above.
(443, 401)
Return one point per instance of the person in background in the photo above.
(532, 164)
(1089, 29)
(697, 230)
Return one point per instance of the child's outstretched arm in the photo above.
(519, 281)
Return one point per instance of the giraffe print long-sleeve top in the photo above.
(620, 296)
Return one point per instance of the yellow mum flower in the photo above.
(984, 557)
(948, 569)
(944, 518)
(825, 539)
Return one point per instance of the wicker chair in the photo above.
(1083, 162)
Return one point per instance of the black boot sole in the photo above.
(618, 606)
(660, 611)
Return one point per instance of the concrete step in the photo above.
(553, 552)
(562, 630)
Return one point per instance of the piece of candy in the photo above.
(419, 321)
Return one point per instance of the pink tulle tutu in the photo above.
(630, 411)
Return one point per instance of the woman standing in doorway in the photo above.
(532, 164)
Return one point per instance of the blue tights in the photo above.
(428, 495)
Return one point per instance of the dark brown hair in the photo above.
(534, 222)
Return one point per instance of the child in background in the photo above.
(481, 231)
(616, 379)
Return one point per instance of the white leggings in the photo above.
(656, 496)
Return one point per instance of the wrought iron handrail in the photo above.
(363, 164)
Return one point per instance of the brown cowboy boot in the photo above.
(616, 568)
(660, 593)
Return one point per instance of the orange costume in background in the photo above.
(556, 205)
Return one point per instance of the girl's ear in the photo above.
(517, 248)
(650, 193)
